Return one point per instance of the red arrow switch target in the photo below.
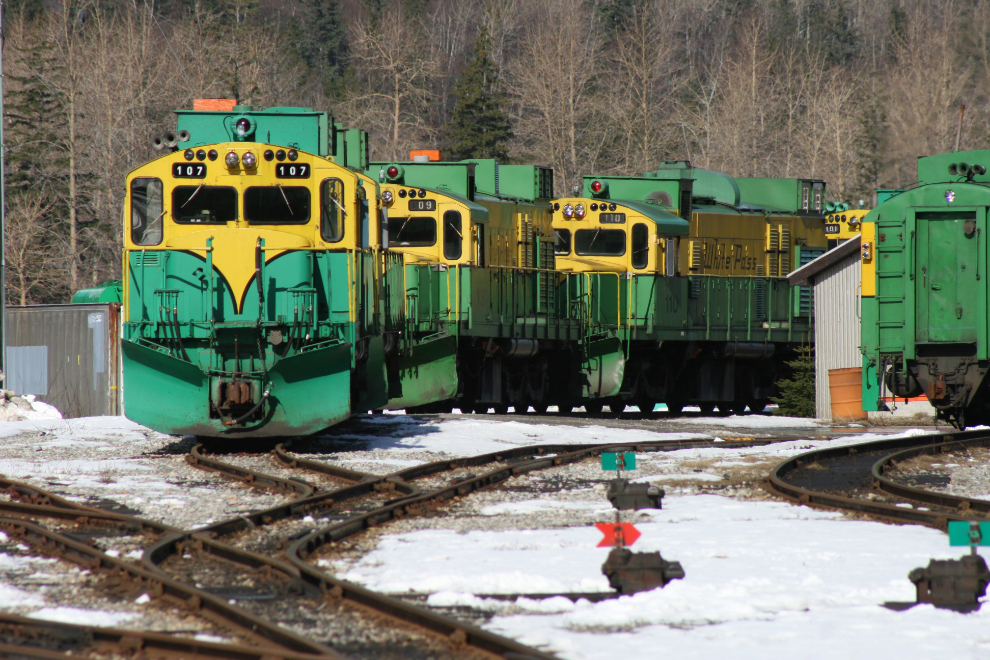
(617, 534)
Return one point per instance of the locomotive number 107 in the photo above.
(189, 170)
(292, 171)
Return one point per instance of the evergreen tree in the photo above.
(324, 42)
(830, 28)
(479, 126)
(797, 393)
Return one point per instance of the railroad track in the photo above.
(854, 478)
(205, 570)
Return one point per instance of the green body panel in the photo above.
(428, 374)
(673, 186)
(525, 182)
(884, 194)
(931, 283)
(783, 195)
(667, 223)
(450, 178)
(309, 392)
(295, 128)
(947, 285)
(110, 291)
(936, 168)
(311, 379)
(962, 533)
(871, 387)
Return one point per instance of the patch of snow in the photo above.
(762, 578)
(81, 617)
(538, 506)
(11, 596)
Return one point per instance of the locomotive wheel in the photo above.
(501, 410)
(480, 409)
(674, 409)
(739, 408)
(725, 408)
(707, 408)
(757, 406)
(565, 410)
(540, 408)
(646, 407)
(615, 410)
(593, 408)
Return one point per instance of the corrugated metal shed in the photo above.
(66, 355)
(836, 279)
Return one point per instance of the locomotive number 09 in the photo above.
(292, 171)
(422, 205)
(189, 170)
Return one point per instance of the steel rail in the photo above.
(137, 643)
(778, 483)
(196, 458)
(159, 585)
(946, 500)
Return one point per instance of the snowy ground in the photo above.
(761, 576)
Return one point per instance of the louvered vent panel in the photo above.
(773, 240)
(148, 258)
(696, 253)
(785, 239)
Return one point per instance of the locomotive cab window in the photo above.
(147, 196)
(561, 241)
(452, 235)
(600, 242)
(640, 246)
(332, 210)
(412, 232)
(277, 205)
(204, 204)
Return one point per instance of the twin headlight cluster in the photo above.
(249, 160)
(578, 211)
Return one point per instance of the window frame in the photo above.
(634, 253)
(255, 223)
(600, 254)
(161, 217)
(570, 242)
(458, 234)
(237, 204)
(341, 210)
(392, 244)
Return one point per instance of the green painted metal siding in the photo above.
(297, 128)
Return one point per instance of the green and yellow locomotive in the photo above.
(481, 289)
(687, 267)
(256, 291)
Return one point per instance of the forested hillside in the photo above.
(851, 91)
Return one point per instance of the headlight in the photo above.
(387, 196)
(568, 211)
(231, 159)
(293, 154)
(249, 160)
(579, 210)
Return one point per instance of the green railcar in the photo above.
(925, 289)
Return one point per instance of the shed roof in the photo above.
(805, 275)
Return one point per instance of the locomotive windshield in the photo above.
(146, 211)
(600, 242)
(561, 241)
(412, 232)
(204, 204)
(277, 205)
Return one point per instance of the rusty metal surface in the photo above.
(861, 477)
(160, 586)
(952, 582)
(47, 639)
(625, 496)
(65, 355)
(630, 572)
